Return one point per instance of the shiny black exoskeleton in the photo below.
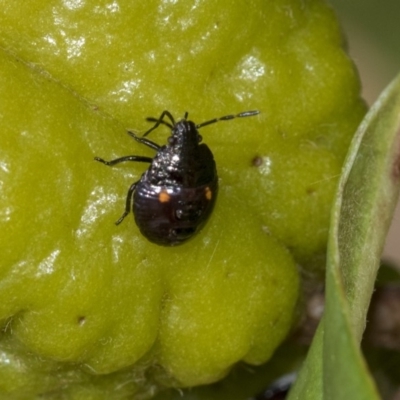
(176, 195)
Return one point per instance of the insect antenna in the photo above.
(160, 120)
(153, 119)
(228, 117)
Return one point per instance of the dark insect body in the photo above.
(176, 195)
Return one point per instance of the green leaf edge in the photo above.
(368, 190)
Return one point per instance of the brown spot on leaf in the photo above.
(257, 161)
(310, 190)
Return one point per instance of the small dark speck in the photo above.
(81, 320)
(310, 190)
(257, 161)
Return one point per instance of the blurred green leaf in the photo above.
(366, 197)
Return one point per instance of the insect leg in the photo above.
(129, 200)
(147, 142)
(123, 159)
(160, 121)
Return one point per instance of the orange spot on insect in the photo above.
(164, 197)
(208, 193)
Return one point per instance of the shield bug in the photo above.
(175, 196)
